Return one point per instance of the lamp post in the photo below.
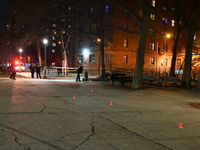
(45, 41)
(20, 51)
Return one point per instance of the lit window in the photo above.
(153, 3)
(92, 11)
(92, 58)
(125, 59)
(152, 46)
(53, 44)
(80, 59)
(53, 63)
(53, 51)
(153, 17)
(165, 20)
(152, 60)
(53, 38)
(125, 42)
(173, 23)
(106, 9)
(54, 25)
(195, 37)
(126, 25)
(164, 62)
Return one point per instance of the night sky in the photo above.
(4, 10)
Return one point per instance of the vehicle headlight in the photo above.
(22, 67)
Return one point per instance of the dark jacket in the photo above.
(80, 69)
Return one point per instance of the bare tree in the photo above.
(190, 17)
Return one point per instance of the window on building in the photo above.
(164, 62)
(152, 32)
(125, 42)
(92, 11)
(93, 28)
(153, 17)
(125, 59)
(80, 59)
(126, 25)
(152, 46)
(152, 60)
(153, 3)
(92, 43)
(173, 23)
(92, 58)
(195, 37)
(53, 38)
(80, 43)
(53, 44)
(53, 63)
(165, 21)
(53, 25)
(54, 31)
(165, 48)
(164, 7)
(106, 9)
(53, 50)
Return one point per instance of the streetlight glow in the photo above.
(85, 51)
(168, 35)
(45, 41)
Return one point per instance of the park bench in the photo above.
(124, 79)
(148, 79)
(116, 77)
(168, 81)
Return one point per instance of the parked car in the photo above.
(19, 68)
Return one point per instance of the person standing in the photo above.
(79, 71)
(32, 69)
(37, 68)
(13, 72)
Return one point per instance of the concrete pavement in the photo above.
(60, 114)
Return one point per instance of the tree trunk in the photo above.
(137, 77)
(39, 52)
(186, 78)
(174, 53)
(102, 45)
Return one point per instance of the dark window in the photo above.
(92, 58)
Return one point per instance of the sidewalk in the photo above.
(58, 113)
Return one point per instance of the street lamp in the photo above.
(45, 41)
(20, 51)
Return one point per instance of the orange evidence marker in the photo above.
(111, 103)
(91, 90)
(180, 125)
(74, 97)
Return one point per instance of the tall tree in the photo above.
(190, 16)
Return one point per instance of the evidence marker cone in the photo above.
(111, 103)
(180, 125)
(74, 97)
(91, 90)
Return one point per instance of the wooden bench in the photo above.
(124, 79)
(148, 78)
(116, 77)
(168, 81)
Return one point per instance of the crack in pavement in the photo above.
(87, 138)
(136, 133)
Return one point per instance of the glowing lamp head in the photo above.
(85, 51)
(45, 41)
